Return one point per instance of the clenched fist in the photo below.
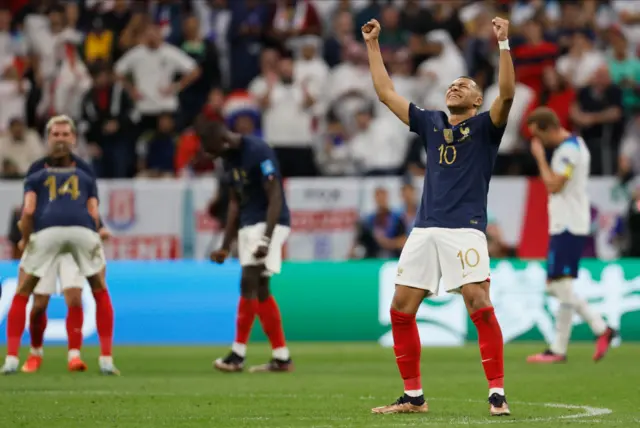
(500, 28)
(371, 30)
(219, 256)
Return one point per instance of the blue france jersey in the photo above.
(460, 160)
(246, 171)
(62, 195)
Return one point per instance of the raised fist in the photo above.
(371, 30)
(500, 28)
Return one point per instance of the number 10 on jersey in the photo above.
(448, 154)
(69, 187)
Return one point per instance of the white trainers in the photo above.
(107, 367)
(10, 366)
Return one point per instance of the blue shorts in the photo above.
(565, 252)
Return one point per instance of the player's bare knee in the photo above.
(96, 282)
(407, 299)
(73, 297)
(264, 291)
(26, 287)
(476, 296)
(40, 303)
(250, 282)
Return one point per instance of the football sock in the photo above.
(16, 320)
(491, 347)
(406, 346)
(37, 326)
(104, 321)
(591, 317)
(562, 289)
(75, 318)
(247, 309)
(271, 321)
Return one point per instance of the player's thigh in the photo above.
(464, 257)
(248, 241)
(69, 273)
(565, 252)
(42, 251)
(418, 266)
(86, 248)
(273, 261)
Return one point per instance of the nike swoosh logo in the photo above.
(397, 358)
(488, 359)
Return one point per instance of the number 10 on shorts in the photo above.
(468, 259)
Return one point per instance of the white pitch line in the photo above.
(587, 411)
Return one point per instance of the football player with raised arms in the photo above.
(448, 240)
(258, 215)
(566, 181)
(61, 132)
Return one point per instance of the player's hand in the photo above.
(21, 245)
(371, 30)
(104, 234)
(219, 256)
(500, 28)
(537, 149)
(261, 252)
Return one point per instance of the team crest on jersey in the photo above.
(448, 135)
(465, 133)
(122, 209)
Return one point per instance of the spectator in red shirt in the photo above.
(533, 56)
(555, 94)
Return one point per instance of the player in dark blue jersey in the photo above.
(448, 240)
(61, 138)
(259, 216)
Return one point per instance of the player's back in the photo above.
(460, 160)
(62, 196)
(569, 208)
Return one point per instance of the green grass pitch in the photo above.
(334, 385)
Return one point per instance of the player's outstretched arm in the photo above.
(501, 106)
(381, 80)
(273, 189)
(94, 211)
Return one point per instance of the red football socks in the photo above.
(16, 320)
(407, 348)
(491, 345)
(247, 309)
(271, 321)
(104, 321)
(37, 326)
(75, 318)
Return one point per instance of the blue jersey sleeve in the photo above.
(493, 132)
(93, 189)
(266, 160)
(31, 184)
(417, 119)
(82, 165)
(35, 167)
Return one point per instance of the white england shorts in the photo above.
(249, 239)
(458, 256)
(51, 245)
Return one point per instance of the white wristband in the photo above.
(504, 45)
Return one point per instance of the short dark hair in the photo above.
(207, 128)
(544, 118)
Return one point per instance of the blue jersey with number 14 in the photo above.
(460, 160)
(62, 195)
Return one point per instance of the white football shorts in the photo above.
(46, 246)
(249, 239)
(458, 256)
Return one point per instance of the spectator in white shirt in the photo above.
(628, 12)
(13, 94)
(19, 148)
(287, 118)
(378, 146)
(309, 68)
(512, 144)
(153, 67)
(579, 65)
(347, 90)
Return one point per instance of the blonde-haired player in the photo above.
(569, 225)
(61, 130)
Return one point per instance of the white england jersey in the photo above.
(569, 209)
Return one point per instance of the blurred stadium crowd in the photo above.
(134, 74)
